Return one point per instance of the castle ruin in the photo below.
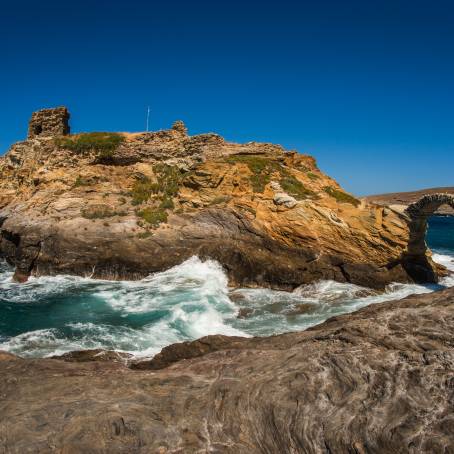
(49, 122)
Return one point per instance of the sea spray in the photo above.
(52, 315)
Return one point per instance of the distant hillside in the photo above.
(405, 198)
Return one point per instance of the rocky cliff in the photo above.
(124, 205)
(379, 380)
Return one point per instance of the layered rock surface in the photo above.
(379, 380)
(122, 206)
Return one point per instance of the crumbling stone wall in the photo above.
(49, 122)
(428, 204)
(180, 127)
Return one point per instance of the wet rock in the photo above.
(303, 308)
(5, 356)
(186, 350)
(244, 312)
(82, 356)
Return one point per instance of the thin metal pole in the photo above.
(148, 116)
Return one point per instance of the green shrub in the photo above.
(142, 190)
(313, 176)
(104, 143)
(169, 179)
(261, 167)
(97, 212)
(341, 196)
(251, 210)
(256, 164)
(259, 181)
(100, 212)
(143, 235)
(167, 186)
(153, 216)
(294, 187)
(220, 199)
(167, 204)
(81, 181)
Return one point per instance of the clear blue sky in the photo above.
(367, 87)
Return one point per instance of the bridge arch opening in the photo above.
(417, 261)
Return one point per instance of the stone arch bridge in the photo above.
(417, 261)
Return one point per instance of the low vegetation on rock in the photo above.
(103, 143)
(142, 190)
(162, 191)
(341, 196)
(154, 216)
(166, 186)
(100, 212)
(313, 176)
(81, 181)
(220, 199)
(294, 187)
(263, 168)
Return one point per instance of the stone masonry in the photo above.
(49, 122)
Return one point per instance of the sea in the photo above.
(53, 315)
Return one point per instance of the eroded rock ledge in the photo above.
(379, 380)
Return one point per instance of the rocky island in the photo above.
(121, 206)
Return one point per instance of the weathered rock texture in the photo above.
(380, 380)
(49, 122)
(269, 216)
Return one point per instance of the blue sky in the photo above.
(367, 87)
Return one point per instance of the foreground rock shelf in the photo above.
(379, 380)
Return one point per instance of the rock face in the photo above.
(379, 380)
(122, 206)
(49, 122)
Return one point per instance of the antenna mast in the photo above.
(148, 116)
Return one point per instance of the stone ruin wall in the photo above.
(49, 122)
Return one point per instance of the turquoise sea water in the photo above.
(53, 315)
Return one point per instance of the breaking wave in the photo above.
(53, 315)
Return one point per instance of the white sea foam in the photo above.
(331, 291)
(43, 342)
(448, 262)
(186, 302)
